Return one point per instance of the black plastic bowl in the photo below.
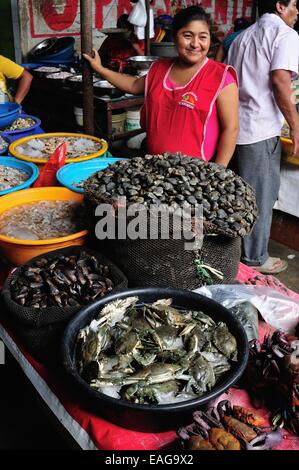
(151, 418)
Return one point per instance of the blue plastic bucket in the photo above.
(7, 140)
(74, 173)
(26, 131)
(8, 113)
(30, 168)
(66, 52)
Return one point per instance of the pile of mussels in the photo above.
(61, 281)
(228, 202)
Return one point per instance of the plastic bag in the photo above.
(47, 176)
(247, 314)
(278, 310)
(138, 16)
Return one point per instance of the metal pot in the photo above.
(141, 62)
(103, 87)
(76, 81)
(44, 70)
(163, 49)
(58, 78)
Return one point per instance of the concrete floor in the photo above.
(23, 425)
(289, 277)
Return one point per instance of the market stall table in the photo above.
(92, 432)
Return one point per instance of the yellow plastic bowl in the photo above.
(18, 251)
(287, 149)
(16, 143)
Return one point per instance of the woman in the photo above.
(118, 47)
(191, 102)
(11, 70)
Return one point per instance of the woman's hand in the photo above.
(94, 60)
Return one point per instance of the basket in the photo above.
(13, 151)
(40, 329)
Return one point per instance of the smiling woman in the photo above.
(191, 102)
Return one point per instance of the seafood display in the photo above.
(79, 78)
(247, 315)
(45, 69)
(11, 177)
(154, 353)
(272, 377)
(228, 202)
(228, 427)
(63, 281)
(44, 147)
(42, 220)
(59, 75)
(3, 144)
(20, 123)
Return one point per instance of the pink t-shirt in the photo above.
(212, 130)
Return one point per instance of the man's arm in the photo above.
(281, 82)
(23, 86)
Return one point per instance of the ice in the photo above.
(15, 231)
(20, 149)
(37, 144)
(83, 144)
(33, 153)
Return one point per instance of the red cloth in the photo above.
(107, 436)
(176, 120)
(115, 50)
(47, 175)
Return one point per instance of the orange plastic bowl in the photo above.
(287, 149)
(18, 251)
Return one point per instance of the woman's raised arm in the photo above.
(127, 83)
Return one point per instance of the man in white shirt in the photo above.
(266, 57)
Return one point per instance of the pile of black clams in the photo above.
(229, 205)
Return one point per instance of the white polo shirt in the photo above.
(269, 44)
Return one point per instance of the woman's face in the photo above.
(193, 42)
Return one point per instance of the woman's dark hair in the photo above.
(123, 22)
(269, 6)
(185, 16)
(241, 23)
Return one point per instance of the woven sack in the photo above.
(165, 262)
(47, 316)
(40, 330)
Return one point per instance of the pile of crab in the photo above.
(272, 378)
(154, 353)
(228, 428)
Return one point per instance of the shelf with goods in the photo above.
(107, 106)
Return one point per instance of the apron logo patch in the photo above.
(188, 100)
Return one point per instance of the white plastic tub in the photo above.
(133, 119)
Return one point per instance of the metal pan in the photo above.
(103, 87)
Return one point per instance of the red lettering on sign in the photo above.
(246, 4)
(99, 9)
(59, 21)
(221, 12)
(123, 6)
(206, 4)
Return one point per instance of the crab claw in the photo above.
(264, 441)
(224, 408)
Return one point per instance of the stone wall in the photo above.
(40, 19)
